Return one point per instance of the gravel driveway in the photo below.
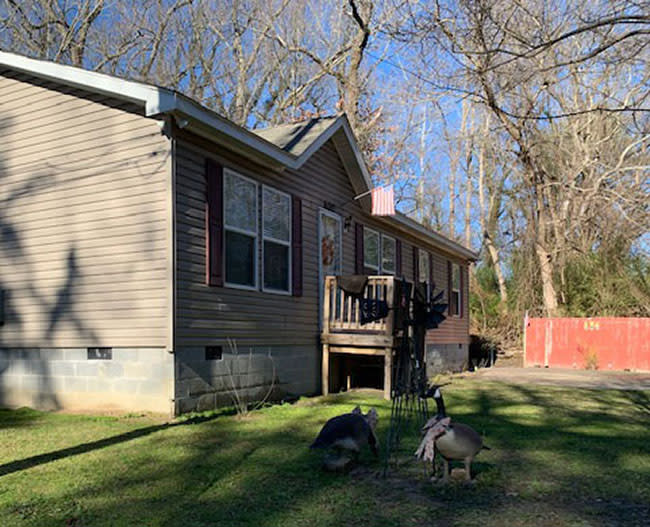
(616, 380)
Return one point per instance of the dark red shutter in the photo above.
(213, 223)
(296, 245)
(398, 258)
(416, 265)
(450, 297)
(358, 260)
(461, 308)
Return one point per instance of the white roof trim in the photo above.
(436, 239)
(80, 78)
(158, 101)
(339, 123)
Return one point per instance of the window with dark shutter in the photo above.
(276, 240)
(454, 279)
(388, 254)
(398, 258)
(371, 251)
(241, 228)
(296, 245)
(214, 223)
(424, 267)
(416, 264)
(358, 257)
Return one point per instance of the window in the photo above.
(276, 234)
(240, 225)
(388, 251)
(379, 252)
(371, 249)
(455, 308)
(424, 272)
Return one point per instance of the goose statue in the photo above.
(452, 440)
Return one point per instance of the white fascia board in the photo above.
(182, 105)
(320, 141)
(357, 153)
(156, 101)
(434, 238)
(77, 77)
(339, 123)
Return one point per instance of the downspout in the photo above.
(171, 261)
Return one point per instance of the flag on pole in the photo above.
(383, 201)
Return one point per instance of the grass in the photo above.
(572, 457)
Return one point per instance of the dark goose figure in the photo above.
(349, 432)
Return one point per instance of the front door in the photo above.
(330, 258)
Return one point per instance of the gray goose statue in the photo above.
(452, 440)
(346, 434)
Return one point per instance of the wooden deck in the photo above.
(342, 331)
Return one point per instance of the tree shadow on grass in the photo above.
(25, 415)
(554, 468)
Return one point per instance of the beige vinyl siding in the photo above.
(209, 315)
(84, 215)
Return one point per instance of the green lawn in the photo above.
(559, 457)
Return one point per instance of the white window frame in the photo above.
(428, 260)
(279, 242)
(381, 254)
(459, 304)
(376, 268)
(226, 228)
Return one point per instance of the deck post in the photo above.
(326, 369)
(388, 373)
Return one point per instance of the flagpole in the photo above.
(362, 194)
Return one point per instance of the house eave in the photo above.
(160, 102)
(406, 224)
(156, 101)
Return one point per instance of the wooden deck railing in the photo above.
(342, 331)
(342, 313)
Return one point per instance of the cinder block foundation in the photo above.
(443, 358)
(65, 379)
(203, 384)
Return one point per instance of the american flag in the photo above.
(383, 201)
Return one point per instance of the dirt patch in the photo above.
(608, 380)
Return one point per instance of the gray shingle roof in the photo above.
(295, 138)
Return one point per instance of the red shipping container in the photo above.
(588, 343)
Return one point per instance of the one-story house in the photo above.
(142, 236)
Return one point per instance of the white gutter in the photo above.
(436, 239)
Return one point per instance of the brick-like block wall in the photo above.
(134, 379)
(442, 358)
(203, 384)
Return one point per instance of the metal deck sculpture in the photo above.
(416, 311)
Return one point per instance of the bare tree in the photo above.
(54, 30)
(536, 66)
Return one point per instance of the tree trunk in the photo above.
(544, 258)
